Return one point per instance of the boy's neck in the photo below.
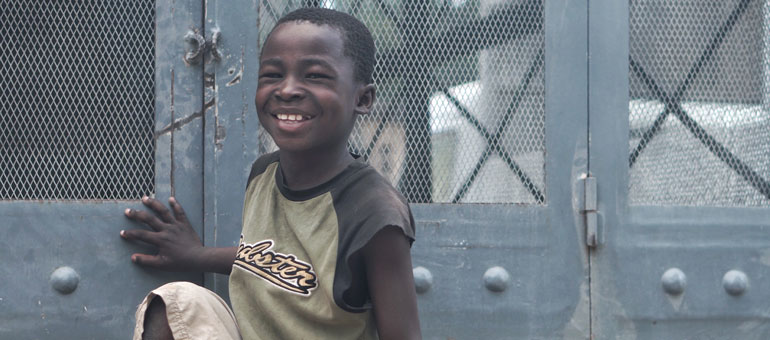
(305, 171)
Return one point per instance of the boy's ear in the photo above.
(365, 99)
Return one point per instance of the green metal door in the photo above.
(501, 256)
(680, 133)
(96, 106)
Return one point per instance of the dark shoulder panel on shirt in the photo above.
(260, 165)
(367, 200)
(365, 204)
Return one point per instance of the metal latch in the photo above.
(593, 238)
(200, 46)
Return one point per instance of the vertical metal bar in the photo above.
(231, 128)
(608, 132)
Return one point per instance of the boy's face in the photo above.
(307, 98)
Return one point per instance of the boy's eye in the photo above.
(317, 76)
(270, 75)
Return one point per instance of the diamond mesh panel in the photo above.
(700, 103)
(460, 113)
(77, 99)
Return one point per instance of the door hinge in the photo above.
(593, 236)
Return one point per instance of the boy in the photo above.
(324, 250)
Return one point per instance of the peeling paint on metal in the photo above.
(219, 136)
(236, 79)
(209, 81)
(177, 124)
(209, 104)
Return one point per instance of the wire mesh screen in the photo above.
(460, 113)
(700, 103)
(77, 99)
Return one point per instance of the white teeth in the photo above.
(293, 117)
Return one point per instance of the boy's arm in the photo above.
(391, 284)
(179, 247)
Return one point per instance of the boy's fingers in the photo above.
(140, 235)
(158, 208)
(147, 218)
(146, 260)
(178, 211)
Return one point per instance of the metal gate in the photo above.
(103, 102)
(577, 170)
(680, 133)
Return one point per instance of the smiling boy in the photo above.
(324, 249)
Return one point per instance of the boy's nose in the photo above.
(289, 89)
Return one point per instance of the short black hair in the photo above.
(357, 41)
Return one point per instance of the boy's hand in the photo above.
(179, 247)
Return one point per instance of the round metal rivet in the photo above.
(64, 280)
(423, 279)
(674, 281)
(735, 282)
(496, 279)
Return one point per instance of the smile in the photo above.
(291, 117)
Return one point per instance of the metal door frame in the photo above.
(230, 123)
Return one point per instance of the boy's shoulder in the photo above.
(364, 183)
(368, 199)
(260, 165)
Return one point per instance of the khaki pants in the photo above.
(193, 312)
